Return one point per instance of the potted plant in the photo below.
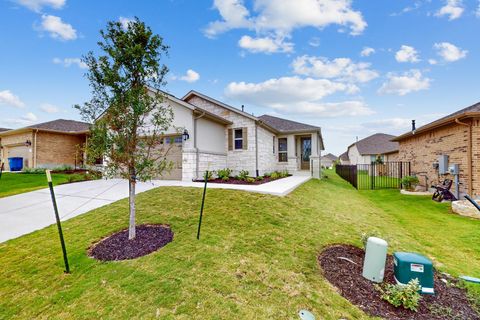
(409, 182)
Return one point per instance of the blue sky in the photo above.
(351, 67)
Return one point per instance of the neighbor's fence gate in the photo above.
(375, 176)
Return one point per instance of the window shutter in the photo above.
(230, 139)
(245, 138)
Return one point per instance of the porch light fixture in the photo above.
(28, 143)
(185, 135)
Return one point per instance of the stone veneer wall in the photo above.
(423, 149)
(236, 159)
(267, 158)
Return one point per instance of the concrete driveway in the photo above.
(27, 212)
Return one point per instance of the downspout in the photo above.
(256, 150)
(35, 149)
(469, 154)
(197, 160)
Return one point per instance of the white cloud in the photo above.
(9, 99)
(57, 28)
(67, 62)
(125, 22)
(342, 69)
(37, 5)
(477, 12)
(391, 123)
(408, 82)
(367, 51)
(190, 77)
(407, 54)
(314, 42)
(266, 45)
(49, 108)
(452, 8)
(450, 52)
(297, 95)
(278, 18)
(432, 62)
(29, 117)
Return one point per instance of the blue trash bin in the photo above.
(15, 163)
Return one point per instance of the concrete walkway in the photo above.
(27, 212)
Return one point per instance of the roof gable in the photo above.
(330, 156)
(379, 143)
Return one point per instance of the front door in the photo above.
(306, 144)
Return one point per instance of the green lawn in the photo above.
(256, 258)
(366, 182)
(15, 183)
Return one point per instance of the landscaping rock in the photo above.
(415, 193)
(465, 208)
(449, 301)
(149, 238)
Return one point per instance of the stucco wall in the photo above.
(211, 136)
(423, 149)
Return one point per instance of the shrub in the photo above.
(398, 295)
(63, 168)
(284, 173)
(208, 175)
(34, 170)
(250, 180)
(409, 182)
(275, 175)
(224, 174)
(243, 175)
(267, 175)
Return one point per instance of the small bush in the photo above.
(406, 296)
(224, 174)
(33, 170)
(243, 175)
(275, 175)
(409, 182)
(250, 180)
(267, 175)
(208, 175)
(284, 173)
(63, 168)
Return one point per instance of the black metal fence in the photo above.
(375, 176)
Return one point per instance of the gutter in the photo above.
(469, 154)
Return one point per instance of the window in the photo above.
(238, 139)
(282, 150)
(273, 144)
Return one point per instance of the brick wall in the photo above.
(423, 149)
(56, 149)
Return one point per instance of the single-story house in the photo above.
(328, 160)
(371, 148)
(344, 158)
(456, 136)
(45, 145)
(216, 135)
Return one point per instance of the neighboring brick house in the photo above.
(45, 145)
(457, 136)
(371, 148)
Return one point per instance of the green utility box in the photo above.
(408, 266)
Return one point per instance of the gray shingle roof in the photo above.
(283, 125)
(63, 126)
(379, 143)
(330, 157)
(344, 156)
(4, 129)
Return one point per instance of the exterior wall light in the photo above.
(28, 143)
(185, 135)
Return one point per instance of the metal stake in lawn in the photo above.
(203, 202)
(57, 217)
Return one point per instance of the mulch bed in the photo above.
(449, 301)
(149, 238)
(238, 181)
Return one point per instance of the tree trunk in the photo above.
(131, 195)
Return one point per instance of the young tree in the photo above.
(129, 119)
